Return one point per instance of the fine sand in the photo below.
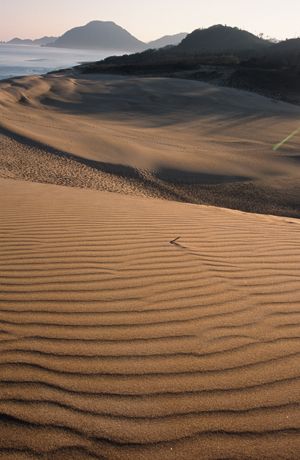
(117, 342)
(168, 138)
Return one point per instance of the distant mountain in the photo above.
(37, 42)
(217, 44)
(18, 41)
(219, 38)
(99, 35)
(44, 41)
(167, 40)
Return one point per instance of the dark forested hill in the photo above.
(284, 54)
(219, 38)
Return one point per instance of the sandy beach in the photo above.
(149, 271)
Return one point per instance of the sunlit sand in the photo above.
(116, 344)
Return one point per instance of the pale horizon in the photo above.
(150, 21)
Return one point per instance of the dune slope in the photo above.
(117, 344)
(135, 322)
(175, 139)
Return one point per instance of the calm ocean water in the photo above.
(20, 60)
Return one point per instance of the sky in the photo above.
(148, 19)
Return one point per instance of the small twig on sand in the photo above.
(173, 241)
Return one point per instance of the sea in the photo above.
(23, 60)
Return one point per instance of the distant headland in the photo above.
(100, 35)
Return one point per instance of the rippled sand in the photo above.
(116, 340)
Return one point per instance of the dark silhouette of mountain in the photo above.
(285, 46)
(283, 55)
(216, 45)
(38, 42)
(167, 40)
(99, 35)
(286, 52)
(219, 38)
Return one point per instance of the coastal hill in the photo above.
(38, 42)
(167, 40)
(283, 54)
(286, 46)
(99, 35)
(219, 38)
(218, 43)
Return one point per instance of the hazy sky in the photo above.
(148, 19)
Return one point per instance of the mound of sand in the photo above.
(215, 144)
(117, 344)
(119, 340)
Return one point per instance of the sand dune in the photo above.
(154, 123)
(114, 342)
(214, 143)
(117, 344)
